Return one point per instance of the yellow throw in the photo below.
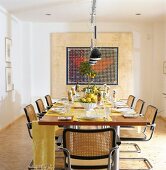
(43, 145)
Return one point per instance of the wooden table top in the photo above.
(116, 121)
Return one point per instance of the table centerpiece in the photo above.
(89, 100)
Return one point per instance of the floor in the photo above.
(16, 148)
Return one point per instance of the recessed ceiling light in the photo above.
(138, 14)
(48, 14)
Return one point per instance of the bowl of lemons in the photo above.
(89, 101)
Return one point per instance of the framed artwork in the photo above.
(106, 68)
(9, 82)
(164, 67)
(8, 48)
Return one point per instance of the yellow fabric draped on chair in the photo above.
(43, 145)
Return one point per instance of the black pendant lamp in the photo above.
(95, 54)
(92, 62)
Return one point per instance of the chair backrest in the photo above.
(31, 116)
(130, 100)
(139, 106)
(151, 113)
(40, 106)
(48, 100)
(30, 113)
(89, 144)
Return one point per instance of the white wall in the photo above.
(164, 75)
(147, 56)
(12, 102)
(26, 53)
(157, 67)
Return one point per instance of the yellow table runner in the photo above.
(43, 146)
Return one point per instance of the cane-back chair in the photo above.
(130, 100)
(40, 107)
(138, 109)
(145, 135)
(139, 106)
(89, 149)
(31, 116)
(49, 101)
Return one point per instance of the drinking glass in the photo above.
(107, 112)
(67, 107)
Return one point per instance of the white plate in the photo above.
(120, 103)
(122, 109)
(122, 106)
(130, 115)
(57, 110)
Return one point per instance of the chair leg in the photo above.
(146, 161)
(59, 140)
(30, 165)
(137, 148)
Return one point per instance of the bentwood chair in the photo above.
(130, 100)
(49, 101)
(89, 148)
(40, 107)
(147, 132)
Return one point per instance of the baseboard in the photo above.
(11, 123)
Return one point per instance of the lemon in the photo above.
(93, 100)
(88, 99)
(89, 95)
(83, 100)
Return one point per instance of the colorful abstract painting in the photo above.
(106, 68)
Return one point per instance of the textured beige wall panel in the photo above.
(59, 42)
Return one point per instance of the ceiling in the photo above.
(79, 10)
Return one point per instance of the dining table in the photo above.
(116, 119)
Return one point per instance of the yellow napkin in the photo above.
(43, 145)
(115, 111)
(56, 114)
